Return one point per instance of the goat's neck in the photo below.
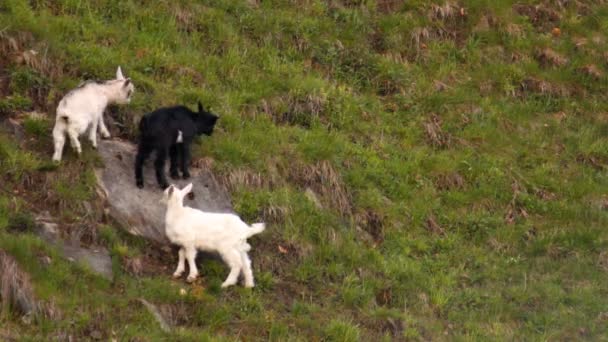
(110, 91)
(174, 208)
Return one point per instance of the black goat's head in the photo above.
(205, 120)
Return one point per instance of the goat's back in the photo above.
(208, 231)
(167, 121)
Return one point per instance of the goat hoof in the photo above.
(164, 186)
(249, 286)
(186, 176)
(176, 275)
(191, 279)
(140, 184)
(174, 175)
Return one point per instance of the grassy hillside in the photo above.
(429, 170)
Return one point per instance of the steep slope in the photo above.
(429, 171)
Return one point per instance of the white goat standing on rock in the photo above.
(193, 230)
(83, 108)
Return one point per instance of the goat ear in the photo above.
(186, 190)
(119, 75)
(127, 82)
(200, 107)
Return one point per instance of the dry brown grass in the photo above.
(433, 227)
(372, 223)
(541, 16)
(236, 178)
(542, 87)
(592, 71)
(22, 49)
(325, 181)
(294, 110)
(447, 11)
(389, 6)
(275, 213)
(16, 291)
(515, 211)
(449, 181)
(435, 134)
(549, 58)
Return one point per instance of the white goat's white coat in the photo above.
(194, 230)
(82, 109)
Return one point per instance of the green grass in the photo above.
(461, 183)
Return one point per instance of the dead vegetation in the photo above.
(592, 71)
(432, 226)
(294, 110)
(372, 223)
(275, 213)
(389, 6)
(22, 49)
(445, 12)
(16, 293)
(449, 181)
(435, 135)
(515, 210)
(541, 16)
(549, 58)
(595, 161)
(325, 181)
(532, 85)
(602, 261)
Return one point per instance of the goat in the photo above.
(170, 131)
(194, 230)
(83, 108)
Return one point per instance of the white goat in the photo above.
(193, 230)
(83, 108)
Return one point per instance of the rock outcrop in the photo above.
(140, 210)
(96, 258)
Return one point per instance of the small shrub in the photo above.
(36, 126)
(338, 330)
(14, 103)
(21, 222)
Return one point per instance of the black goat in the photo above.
(170, 131)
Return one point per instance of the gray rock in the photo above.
(96, 258)
(157, 315)
(12, 127)
(140, 211)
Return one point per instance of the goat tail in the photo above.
(256, 228)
